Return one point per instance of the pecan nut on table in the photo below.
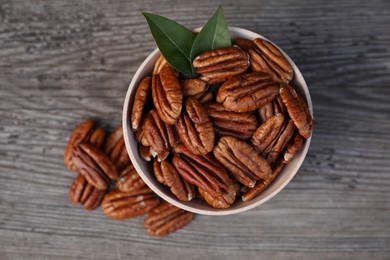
(227, 133)
(165, 219)
(106, 177)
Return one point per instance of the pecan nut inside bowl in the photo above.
(253, 142)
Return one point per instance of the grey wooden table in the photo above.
(65, 61)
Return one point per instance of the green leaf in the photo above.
(215, 34)
(174, 41)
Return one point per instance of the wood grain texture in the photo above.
(64, 61)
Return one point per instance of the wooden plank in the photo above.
(64, 61)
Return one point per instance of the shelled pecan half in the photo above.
(167, 132)
(194, 127)
(297, 110)
(97, 137)
(272, 108)
(153, 138)
(84, 193)
(121, 205)
(165, 219)
(224, 200)
(241, 160)
(157, 135)
(264, 183)
(266, 57)
(192, 87)
(167, 174)
(112, 140)
(219, 65)
(203, 171)
(279, 106)
(167, 95)
(139, 102)
(116, 149)
(83, 132)
(94, 165)
(293, 147)
(247, 92)
(266, 111)
(240, 125)
(129, 180)
(161, 62)
(281, 141)
(267, 134)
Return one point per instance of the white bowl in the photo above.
(197, 206)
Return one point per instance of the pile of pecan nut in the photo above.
(107, 178)
(227, 133)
